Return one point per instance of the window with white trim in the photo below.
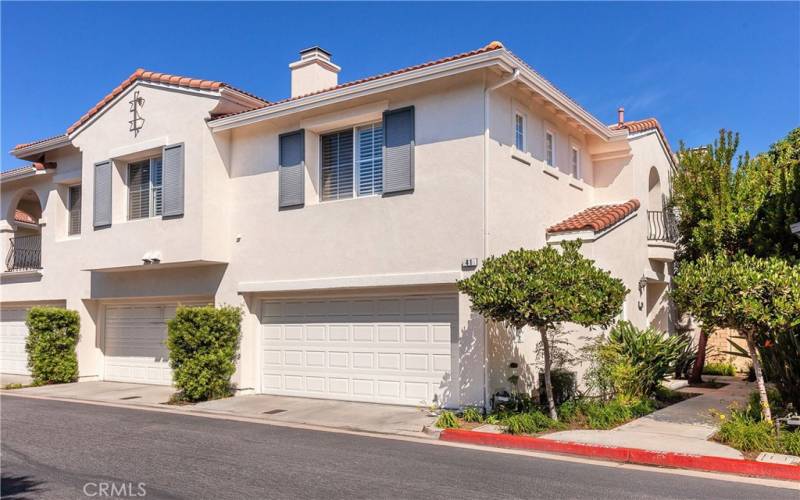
(144, 189)
(575, 161)
(550, 148)
(351, 162)
(74, 208)
(519, 131)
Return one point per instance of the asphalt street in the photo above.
(60, 450)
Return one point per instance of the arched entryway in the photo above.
(25, 243)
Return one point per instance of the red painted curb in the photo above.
(628, 455)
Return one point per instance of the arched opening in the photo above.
(25, 245)
(655, 199)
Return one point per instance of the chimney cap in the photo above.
(315, 48)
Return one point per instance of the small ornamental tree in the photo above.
(203, 346)
(542, 289)
(758, 297)
(52, 337)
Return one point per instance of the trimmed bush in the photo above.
(52, 336)
(719, 369)
(203, 347)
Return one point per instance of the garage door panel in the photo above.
(390, 349)
(13, 334)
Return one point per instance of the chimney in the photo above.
(313, 72)
(620, 116)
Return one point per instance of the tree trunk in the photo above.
(700, 360)
(548, 386)
(766, 413)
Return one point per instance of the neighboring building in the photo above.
(339, 219)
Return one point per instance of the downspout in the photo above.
(486, 116)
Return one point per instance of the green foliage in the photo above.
(9, 387)
(789, 442)
(531, 422)
(632, 362)
(753, 409)
(544, 287)
(719, 369)
(472, 414)
(203, 344)
(565, 386)
(447, 420)
(598, 414)
(744, 433)
(52, 336)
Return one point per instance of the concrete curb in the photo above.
(628, 455)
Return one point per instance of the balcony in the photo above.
(24, 253)
(662, 235)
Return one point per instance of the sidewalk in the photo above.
(347, 415)
(684, 427)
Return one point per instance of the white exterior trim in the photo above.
(432, 278)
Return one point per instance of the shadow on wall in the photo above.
(467, 388)
(504, 349)
(658, 307)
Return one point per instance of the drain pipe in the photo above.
(486, 116)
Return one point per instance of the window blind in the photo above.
(370, 159)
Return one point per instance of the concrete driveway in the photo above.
(385, 419)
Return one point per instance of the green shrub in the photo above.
(447, 420)
(564, 386)
(203, 343)
(754, 403)
(719, 369)
(528, 423)
(789, 442)
(604, 414)
(745, 433)
(52, 336)
(472, 414)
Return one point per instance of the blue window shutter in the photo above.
(172, 180)
(292, 169)
(398, 150)
(102, 194)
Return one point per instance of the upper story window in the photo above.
(352, 162)
(74, 206)
(144, 188)
(519, 131)
(550, 148)
(575, 161)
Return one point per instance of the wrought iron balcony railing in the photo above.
(661, 226)
(24, 253)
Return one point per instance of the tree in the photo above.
(758, 297)
(716, 205)
(542, 289)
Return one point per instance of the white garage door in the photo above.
(388, 350)
(13, 332)
(135, 343)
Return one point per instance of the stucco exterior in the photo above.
(475, 194)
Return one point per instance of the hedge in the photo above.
(203, 346)
(52, 336)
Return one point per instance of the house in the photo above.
(339, 219)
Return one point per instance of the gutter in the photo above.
(486, 129)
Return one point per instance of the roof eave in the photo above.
(40, 147)
(19, 174)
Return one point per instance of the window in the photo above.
(352, 161)
(519, 132)
(74, 207)
(550, 148)
(144, 189)
(576, 162)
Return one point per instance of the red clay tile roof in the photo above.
(25, 145)
(35, 165)
(596, 218)
(154, 77)
(22, 216)
(636, 126)
(491, 46)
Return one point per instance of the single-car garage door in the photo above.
(384, 349)
(135, 343)
(13, 332)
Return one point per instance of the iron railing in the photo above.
(661, 226)
(24, 253)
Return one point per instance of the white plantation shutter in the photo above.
(337, 165)
(370, 159)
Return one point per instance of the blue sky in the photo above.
(697, 67)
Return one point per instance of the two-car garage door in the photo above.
(383, 349)
(135, 342)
